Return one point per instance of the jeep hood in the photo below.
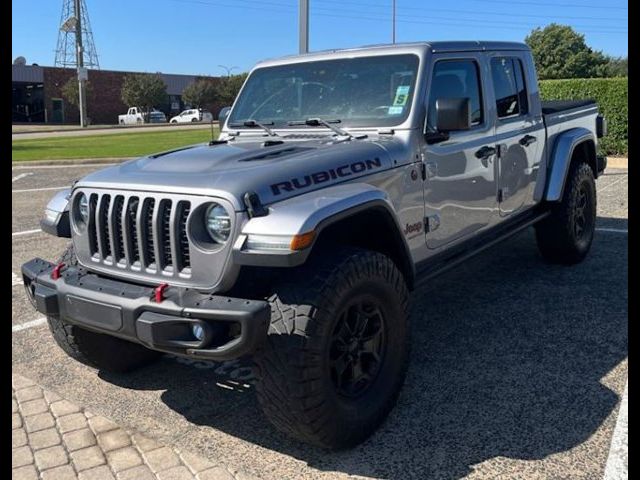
(274, 172)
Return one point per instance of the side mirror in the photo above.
(453, 114)
(222, 116)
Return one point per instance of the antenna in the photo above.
(75, 38)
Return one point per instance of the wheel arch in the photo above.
(357, 215)
(572, 145)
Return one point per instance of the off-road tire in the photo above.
(295, 386)
(103, 352)
(565, 236)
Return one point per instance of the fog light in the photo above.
(198, 332)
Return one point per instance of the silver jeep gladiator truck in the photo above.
(340, 182)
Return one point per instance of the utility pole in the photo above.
(303, 21)
(82, 71)
(393, 21)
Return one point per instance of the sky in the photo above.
(197, 36)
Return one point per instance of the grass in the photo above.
(106, 146)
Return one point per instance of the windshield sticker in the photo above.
(395, 110)
(402, 94)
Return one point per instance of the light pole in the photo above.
(303, 21)
(393, 21)
(228, 69)
(82, 72)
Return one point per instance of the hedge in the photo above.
(611, 95)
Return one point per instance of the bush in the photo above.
(611, 95)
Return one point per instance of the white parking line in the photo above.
(38, 189)
(26, 232)
(31, 324)
(16, 280)
(612, 230)
(22, 175)
(617, 462)
(76, 165)
(624, 177)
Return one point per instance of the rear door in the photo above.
(520, 134)
(460, 188)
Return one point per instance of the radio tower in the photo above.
(76, 48)
(75, 35)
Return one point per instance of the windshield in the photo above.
(373, 91)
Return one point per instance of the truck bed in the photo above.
(556, 106)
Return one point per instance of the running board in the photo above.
(440, 263)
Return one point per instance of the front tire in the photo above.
(565, 236)
(103, 352)
(337, 350)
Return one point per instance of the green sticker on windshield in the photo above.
(402, 95)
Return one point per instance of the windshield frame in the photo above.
(405, 121)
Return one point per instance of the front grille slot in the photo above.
(184, 258)
(141, 234)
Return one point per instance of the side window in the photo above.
(456, 79)
(508, 83)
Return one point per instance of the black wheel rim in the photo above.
(583, 219)
(357, 347)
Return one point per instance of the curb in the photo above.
(618, 162)
(110, 127)
(76, 161)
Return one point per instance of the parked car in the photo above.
(341, 182)
(136, 116)
(193, 115)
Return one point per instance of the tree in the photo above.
(617, 66)
(228, 88)
(71, 93)
(143, 90)
(200, 93)
(561, 52)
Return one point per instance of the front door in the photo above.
(519, 134)
(460, 189)
(57, 113)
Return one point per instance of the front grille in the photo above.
(139, 234)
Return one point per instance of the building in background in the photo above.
(37, 95)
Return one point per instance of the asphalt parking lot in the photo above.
(518, 367)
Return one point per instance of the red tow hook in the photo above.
(55, 274)
(158, 293)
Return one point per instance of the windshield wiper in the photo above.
(253, 124)
(317, 122)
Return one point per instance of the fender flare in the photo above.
(314, 211)
(56, 220)
(563, 149)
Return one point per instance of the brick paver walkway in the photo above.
(54, 439)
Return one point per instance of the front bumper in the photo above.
(231, 327)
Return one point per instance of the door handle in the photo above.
(527, 140)
(486, 152)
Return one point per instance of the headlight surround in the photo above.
(218, 223)
(83, 207)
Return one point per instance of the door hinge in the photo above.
(503, 193)
(431, 223)
(423, 171)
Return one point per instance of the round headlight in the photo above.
(83, 207)
(218, 223)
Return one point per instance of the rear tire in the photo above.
(565, 236)
(337, 350)
(103, 352)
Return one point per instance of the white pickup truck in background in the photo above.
(136, 115)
